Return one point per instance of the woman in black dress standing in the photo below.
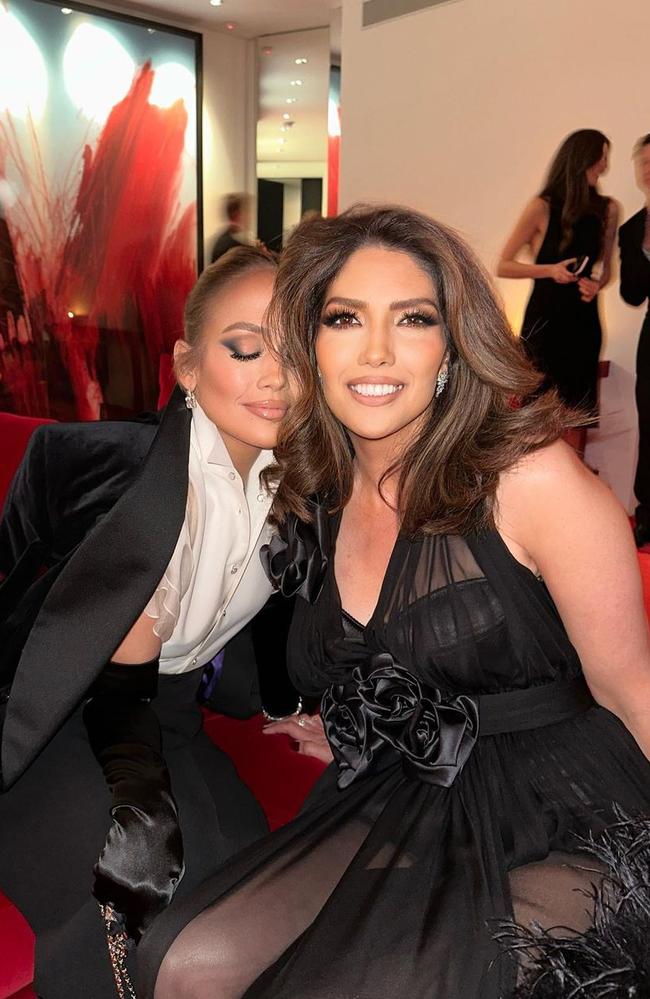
(479, 717)
(568, 221)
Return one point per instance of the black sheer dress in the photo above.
(469, 758)
(561, 333)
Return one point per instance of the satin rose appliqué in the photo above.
(383, 703)
(295, 562)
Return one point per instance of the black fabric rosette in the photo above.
(385, 704)
(295, 561)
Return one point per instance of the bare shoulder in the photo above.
(537, 208)
(550, 499)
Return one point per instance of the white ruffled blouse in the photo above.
(214, 583)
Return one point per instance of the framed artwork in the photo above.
(100, 206)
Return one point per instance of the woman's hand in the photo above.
(588, 289)
(307, 731)
(560, 273)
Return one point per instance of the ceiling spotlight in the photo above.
(292, 100)
(296, 83)
(267, 50)
(70, 313)
(286, 116)
(300, 62)
(216, 3)
(152, 31)
(231, 25)
(66, 10)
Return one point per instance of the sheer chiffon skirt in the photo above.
(394, 887)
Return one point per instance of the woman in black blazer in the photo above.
(130, 556)
(634, 243)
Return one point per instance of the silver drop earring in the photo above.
(190, 399)
(441, 381)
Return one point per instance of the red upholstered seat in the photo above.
(15, 432)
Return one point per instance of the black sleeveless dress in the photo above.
(562, 333)
(470, 757)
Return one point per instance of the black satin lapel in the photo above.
(99, 594)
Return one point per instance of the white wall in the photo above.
(229, 83)
(457, 111)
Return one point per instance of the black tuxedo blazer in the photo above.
(635, 266)
(89, 526)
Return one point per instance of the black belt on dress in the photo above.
(384, 705)
(548, 704)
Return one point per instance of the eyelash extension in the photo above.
(245, 357)
(423, 318)
(331, 318)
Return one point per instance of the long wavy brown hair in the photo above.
(567, 185)
(487, 418)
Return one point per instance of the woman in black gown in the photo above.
(481, 701)
(566, 222)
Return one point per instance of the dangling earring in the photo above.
(441, 381)
(320, 374)
(190, 399)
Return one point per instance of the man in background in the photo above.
(237, 210)
(634, 243)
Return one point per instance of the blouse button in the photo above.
(234, 570)
(194, 661)
(261, 497)
(231, 475)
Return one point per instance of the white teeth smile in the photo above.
(364, 389)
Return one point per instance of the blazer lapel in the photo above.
(98, 596)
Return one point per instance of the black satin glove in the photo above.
(141, 862)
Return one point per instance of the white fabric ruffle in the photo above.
(165, 604)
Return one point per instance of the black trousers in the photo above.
(642, 479)
(54, 821)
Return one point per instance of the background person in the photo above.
(236, 232)
(568, 221)
(634, 243)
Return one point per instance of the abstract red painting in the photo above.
(99, 206)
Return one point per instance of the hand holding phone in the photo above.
(578, 265)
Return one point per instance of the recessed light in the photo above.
(286, 116)
(152, 31)
(292, 100)
(296, 83)
(216, 3)
(66, 10)
(70, 314)
(267, 50)
(231, 25)
(300, 62)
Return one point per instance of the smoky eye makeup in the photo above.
(244, 348)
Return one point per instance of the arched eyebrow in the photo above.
(248, 327)
(356, 303)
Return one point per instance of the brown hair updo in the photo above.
(475, 430)
(232, 265)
